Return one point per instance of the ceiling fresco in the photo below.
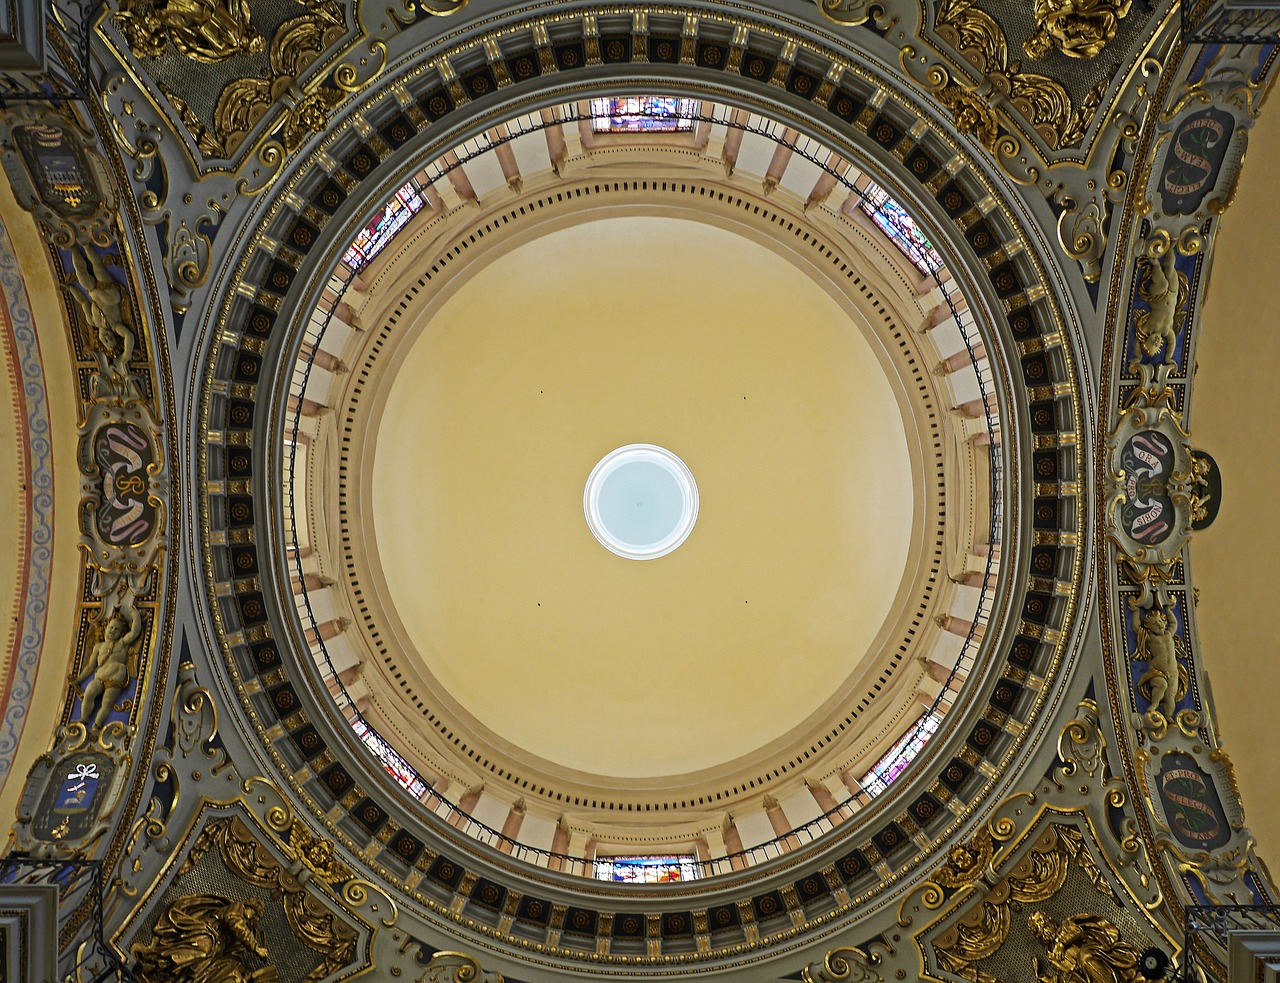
(224, 792)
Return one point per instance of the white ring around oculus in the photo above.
(641, 501)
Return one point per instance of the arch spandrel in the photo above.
(1064, 166)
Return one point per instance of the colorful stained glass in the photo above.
(647, 870)
(404, 204)
(643, 114)
(396, 766)
(895, 761)
(894, 222)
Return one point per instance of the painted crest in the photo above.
(55, 175)
(127, 513)
(1158, 487)
(1191, 804)
(1193, 159)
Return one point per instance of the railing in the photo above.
(1230, 22)
(67, 75)
(1209, 929)
(82, 952)
(340, 281)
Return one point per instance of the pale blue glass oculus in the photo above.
(641, 501)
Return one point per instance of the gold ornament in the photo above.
(205, 938)
(966, 862)
(1085, 949)
(204, 30)
(316, 853)
(1078, 28)
(972, 115)
(1041, 100)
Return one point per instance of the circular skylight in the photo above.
(641, 501)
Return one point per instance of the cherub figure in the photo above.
(317, 853)
(109, 665)
(966, 862)
(102, 304)
(972, 115)
(1158, 646)
(1165, 291)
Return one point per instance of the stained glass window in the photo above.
(404, 204)
(895, 762)
(901, 228)
(647, 870)
(643, 114)
(396, 766)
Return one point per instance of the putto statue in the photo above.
(1165, 291)
(1085, 949)
(1158, 646)
(109, 665)
(204, 938)
(103, 306)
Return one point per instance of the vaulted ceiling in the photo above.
(337, 661)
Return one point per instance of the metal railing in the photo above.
(68, 71)
(1209, 929)
(340, 281)
(1230, 22)
(83, 954)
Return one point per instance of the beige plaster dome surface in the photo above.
(617, 331)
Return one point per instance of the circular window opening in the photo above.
(641, 501)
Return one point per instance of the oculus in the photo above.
(641, 501)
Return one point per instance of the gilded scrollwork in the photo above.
(457, 967)
(1043, 101)
(1082, 233)
(850, 13)
(1081, 744)
(844, 964)
(186, 240)
(978, 936)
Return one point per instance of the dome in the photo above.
(785, 662)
